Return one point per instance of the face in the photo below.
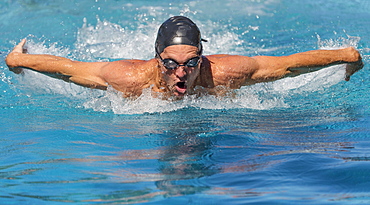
(180, 79)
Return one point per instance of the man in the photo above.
(179, 66)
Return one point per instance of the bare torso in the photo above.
(132, 76)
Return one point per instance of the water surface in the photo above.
(301, 140)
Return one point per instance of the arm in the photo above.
(82, 73)
(272, 68)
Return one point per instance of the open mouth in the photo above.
(181, 87)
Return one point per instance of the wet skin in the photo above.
(222, 70)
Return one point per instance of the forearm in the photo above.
(319, 58)
(272, 67)
(82, 73)
(41, 63)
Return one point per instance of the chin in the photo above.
(179, 94)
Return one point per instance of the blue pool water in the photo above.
(302, 140)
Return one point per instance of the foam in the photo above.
(111, 41)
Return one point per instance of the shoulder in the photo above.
(129, 64)
(237, 63)
(227, 57)
(126, 75)
(129, 67)
(230, 68)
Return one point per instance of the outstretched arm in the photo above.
(272, 68)
(82, 73)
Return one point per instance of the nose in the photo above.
(180, 71)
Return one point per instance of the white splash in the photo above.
(350, 41)
(111, 41)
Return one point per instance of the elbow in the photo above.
(268, 75)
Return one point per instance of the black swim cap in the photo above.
(178, 30)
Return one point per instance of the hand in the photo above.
(11, 58)
(351, 55)
(19, 48)
(354, 62)
(352, 68)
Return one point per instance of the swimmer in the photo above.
(179, 66)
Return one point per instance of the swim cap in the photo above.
(178, 30)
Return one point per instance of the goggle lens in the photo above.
(172, 65)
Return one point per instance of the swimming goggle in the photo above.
(172, 64)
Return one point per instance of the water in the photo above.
(301, 140)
